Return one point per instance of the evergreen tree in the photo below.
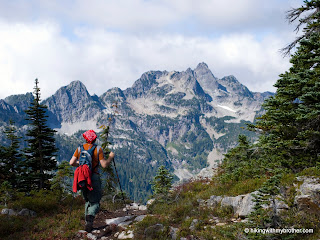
(62, 181)
(162, 183)
(292, 119)
(110, 179)
(11, 158)
(40, 153)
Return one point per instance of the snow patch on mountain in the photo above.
(70, 128)
(227, 108)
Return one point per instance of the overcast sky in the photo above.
(111, 43)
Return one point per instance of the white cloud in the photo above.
(102, 59)
(149, 16)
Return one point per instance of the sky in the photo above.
(111, 43)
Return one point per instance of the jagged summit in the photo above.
(202, 65)
(73, 103)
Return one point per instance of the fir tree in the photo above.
(162, 183)
(11, 158)
(62, 181)
(291, 124)
(110, 179)
(40, 153)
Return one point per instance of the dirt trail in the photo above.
(101, 230)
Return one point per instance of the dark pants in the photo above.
(93, 197)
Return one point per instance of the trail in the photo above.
(110, 225)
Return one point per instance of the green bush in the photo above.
(42, 201)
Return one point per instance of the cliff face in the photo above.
(73, 103)
(183, 120)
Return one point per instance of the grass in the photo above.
(183, 207)
(55, 219)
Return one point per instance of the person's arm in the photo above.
(105, 163)
(74, 161)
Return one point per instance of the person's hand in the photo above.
(111, 155)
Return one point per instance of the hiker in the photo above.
(90, 187)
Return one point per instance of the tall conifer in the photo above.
(40, 153)
(291, 124)
(11, 157)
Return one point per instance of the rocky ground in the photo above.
(114, 225)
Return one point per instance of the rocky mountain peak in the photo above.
(206, 79)
(235, 87)
(73, 103)
(113, 94)
(20, 101)
(202, 66)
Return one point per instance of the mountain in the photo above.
(184, 120)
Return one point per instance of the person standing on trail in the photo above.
(87, 176)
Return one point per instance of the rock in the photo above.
(9, 212)
(142, 208)
(242, 205)
(91, 236)
(233, 202)
(246, 206)
(280, 206)
(126, 235)
(132, 206)
(118, 220)
(139, 218)
(193, 224)
(220, 224)
(173, 233)
(202, 203)
(125, 224)
(150, 201)
(308, 197)
(27, 212)
(152, 231)
(81, 234)
(213, 201)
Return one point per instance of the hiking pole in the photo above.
(114, 164)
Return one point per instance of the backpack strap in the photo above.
(94, 146)
(98, 150)
(79, 149)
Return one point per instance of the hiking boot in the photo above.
(89, 223)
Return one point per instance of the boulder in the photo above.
(27, 212)
(173, 233)
(233, 202)
(139, 218)
(126, 235)
(125, 224)
(280, 206)
(142, 208)
(9, 212)
(247, 206)
(91, 236)
(150, 201)
(242, 205)
(193, 224)
(308, 195)
(153, 231)
(213, 201)
(119, 220)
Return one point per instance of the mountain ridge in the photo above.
(183, 120)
